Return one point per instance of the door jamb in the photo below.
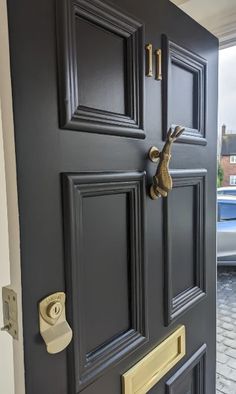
(12, 360)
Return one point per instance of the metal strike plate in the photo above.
(10, 313)
(54, 328)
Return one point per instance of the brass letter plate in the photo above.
(148, 371)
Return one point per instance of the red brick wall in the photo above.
(229, 169)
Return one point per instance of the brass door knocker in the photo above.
(162, 181)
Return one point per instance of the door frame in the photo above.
(12, 355)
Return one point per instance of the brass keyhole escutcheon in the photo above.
(54, 328)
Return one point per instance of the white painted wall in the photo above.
(11, 351)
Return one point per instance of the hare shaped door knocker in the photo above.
(162, 181)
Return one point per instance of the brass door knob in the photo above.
(162, 181)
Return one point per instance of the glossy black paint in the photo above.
(66, 134)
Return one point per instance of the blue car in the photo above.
(226, 230)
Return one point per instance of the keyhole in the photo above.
(54, 310)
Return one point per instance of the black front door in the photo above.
(134, 270)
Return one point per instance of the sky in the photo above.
(227, 88)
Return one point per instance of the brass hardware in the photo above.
(148, 371)
(162, 181)
(10, 313)
(54, 310)
(149, 72)
(154, 154)
(158, 64)
(54, 328)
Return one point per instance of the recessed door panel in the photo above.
(184, 243)
(104, 240)
(184, 91)
(190, 378)
(102, 66)
(101, 72)
(183, 258)
(183, 110)
(108, 258)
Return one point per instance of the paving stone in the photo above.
(230, 352)
(232, 363)
(222, 358)
(221, 347)
(225, 386)
(224, 312)
(223, 306)
(220, 339)
(227, 326)
(230, 343)
(227, 334)
(224, 370)
(220, 330)
(226, 331)
(227, 319)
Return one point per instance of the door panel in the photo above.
(102, 47)
(184, 71)
(105, 269)
(184, 261)
(133, 269)
(190, 379)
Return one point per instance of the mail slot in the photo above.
(148, 371)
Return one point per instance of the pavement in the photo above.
(226, 331)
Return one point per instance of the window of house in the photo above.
(233, 159)
(232, 179)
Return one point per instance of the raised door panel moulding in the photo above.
(177, 305)
(190, 378)
(88, 362)
(191, 64)
(77, 115)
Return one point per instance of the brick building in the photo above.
(228, 157)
